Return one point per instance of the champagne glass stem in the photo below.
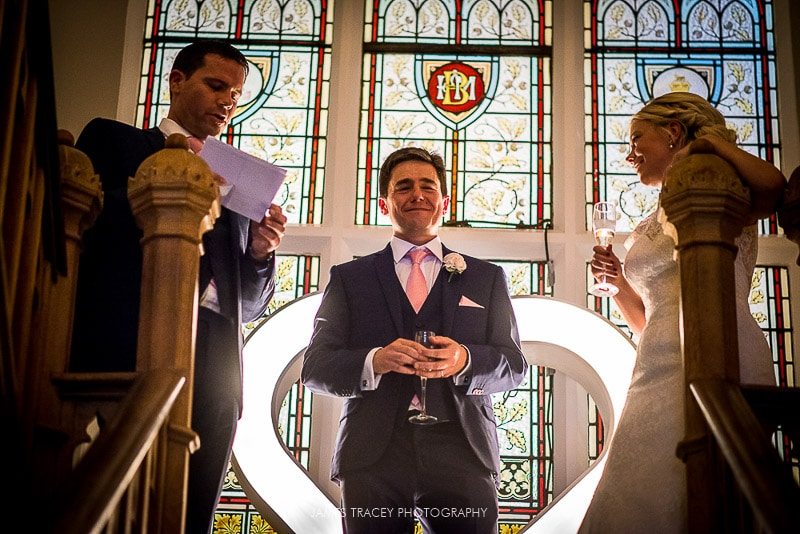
(423, 394)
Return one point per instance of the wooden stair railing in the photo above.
(175, 200)
(110, 487)
(43, 411)
(32, 249)
(56, 428)
(763, 478)
(708, 205)
(128, 480)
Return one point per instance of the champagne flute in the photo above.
(604, 224)
(423, 338)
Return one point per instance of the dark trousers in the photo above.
(427, 473)
(215, 413)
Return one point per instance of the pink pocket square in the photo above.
(468, 302)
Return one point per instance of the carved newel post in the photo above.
(707, 203)
(174, 200)
(81, 200)
(81, 197)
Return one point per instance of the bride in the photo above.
(643, 486)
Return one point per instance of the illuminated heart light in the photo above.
(556, 334)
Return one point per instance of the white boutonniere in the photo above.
(454, 264)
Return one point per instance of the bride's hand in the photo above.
(605, 264)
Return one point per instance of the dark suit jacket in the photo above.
(109, 280)
(361, 310)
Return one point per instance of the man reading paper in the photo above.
(236, 271)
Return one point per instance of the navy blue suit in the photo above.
(107, 306)
(364, 307)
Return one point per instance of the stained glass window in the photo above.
(596, 430)
(283, 111)
(635, 50)
(470, 80)
(525, 420)
(294, 276)
(769, 304)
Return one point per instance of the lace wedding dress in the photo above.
(643, 486)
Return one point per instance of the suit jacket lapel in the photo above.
(387, 276)
(451, 293)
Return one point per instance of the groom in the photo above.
(390, 470)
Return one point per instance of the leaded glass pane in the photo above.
(504, 22)
(282, 114)
(525, 419)
(526, 278)
(769, 304)
(487, 111)
(722, 50)
(294, 276)
(596, 431)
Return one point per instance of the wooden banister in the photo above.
(92, 494)
(130, 479)
(708, 205)
(175, 200)
(766, 482)
(705, 200)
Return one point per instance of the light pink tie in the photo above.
(195, 144)
(416, 286)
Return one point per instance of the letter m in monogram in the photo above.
(454, 87)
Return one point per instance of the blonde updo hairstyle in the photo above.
(694, 113)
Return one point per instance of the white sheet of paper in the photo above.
(253, 182)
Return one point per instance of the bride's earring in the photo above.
(671, 143)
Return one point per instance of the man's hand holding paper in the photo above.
(266, 235)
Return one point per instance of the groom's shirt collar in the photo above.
(401, 247)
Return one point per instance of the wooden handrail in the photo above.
(774, 406)
(92, 493)
(761, 476)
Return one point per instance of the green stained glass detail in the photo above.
(451, 77)
(294, 276)
(525, 419)
(636, 50)
(770, 306)
(282, 114)
(497, 22)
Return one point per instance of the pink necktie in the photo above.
(416, 286)
(195, 144)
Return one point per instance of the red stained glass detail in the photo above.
(456, 87)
